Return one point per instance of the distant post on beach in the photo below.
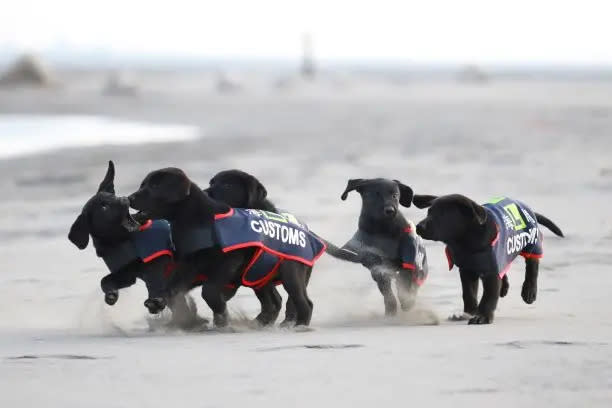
(307, 68)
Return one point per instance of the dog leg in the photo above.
(185, 312)
(290, 314)
(271, 303)
(214, 298)
(153, 275)
(294, 281)
(529, 291)
(384, 286)
(469, 287)
(406, 289)
(491, 285)
(505, 286)
(111, 284)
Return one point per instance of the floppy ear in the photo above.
(108, 184)
(353, 184)
(257, 192)
(480, 214)
(423, 200)
(79, 232)
(406, 194)
(174, 193)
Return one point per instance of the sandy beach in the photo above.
(547, 143)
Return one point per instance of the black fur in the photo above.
(463, 225)
(107, 219)
(376, 242)
(239, 189)
(168, 193)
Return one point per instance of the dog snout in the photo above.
(125, 201)
(421, 228)
(389, 210)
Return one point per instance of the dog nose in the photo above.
(131, 199)
(420, 228)
(389, 210)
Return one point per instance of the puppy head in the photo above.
(450, 217)
(237, 189)
(160, 190)
(380, 197)
(105, 216)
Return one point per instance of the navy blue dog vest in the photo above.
(413, 255)
(517, 234)
(152, 240)
(278, 237)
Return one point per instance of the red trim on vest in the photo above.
(146, 225)
(449, 259)
(505, 270)
(200, 278)
(225, 215)
(496, 236)
(157, 255)
(170, 267)
(258, 244)
(407, 265)
(264, 281)
(527, 255)
(249, 265)
(418, 281)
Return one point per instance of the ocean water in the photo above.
(26, 134)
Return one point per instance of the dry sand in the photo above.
(547, 144)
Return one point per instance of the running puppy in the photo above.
(385, 241)
(130, 250)
(239, 189)
(231, 246)
(483, 240)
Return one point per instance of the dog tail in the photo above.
(339, 253)
(549, 224)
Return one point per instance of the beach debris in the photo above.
(27, 70)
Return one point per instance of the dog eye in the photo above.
(104, 207)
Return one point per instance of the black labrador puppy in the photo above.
(240, 189)
(130, 250)
(385, 242)
(168, 193)
(483, 240)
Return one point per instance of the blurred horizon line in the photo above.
(100, 59)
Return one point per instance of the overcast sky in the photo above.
(479, 31)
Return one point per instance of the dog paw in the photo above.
(529, 293)
(111, 297)
(480, 319)
(505, 286)
(390, 307)
(287, 324)
(301, 328)
(155, 305)
(460, 317)
(220, 320)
